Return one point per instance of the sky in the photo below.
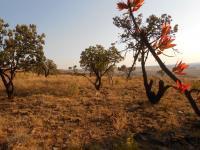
(73, 25)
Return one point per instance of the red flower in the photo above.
(165, 42)
(179, 67)
(165, 29)
(137, 4)
(122, 6)
(181, 87)
(134, 4)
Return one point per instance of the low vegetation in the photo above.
(64, 111)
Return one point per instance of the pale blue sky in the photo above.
(73, 25)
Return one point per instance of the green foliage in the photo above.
(97, 59)
(45, 67)
(51, 66)
(123, 68)
(3, 34)
(127, 70)
(151, 28)
(22, 48)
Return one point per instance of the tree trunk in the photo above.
(46, 73)
(110, 78)
(153, 97)
(10, 90)
(98, 83)
(8, 84)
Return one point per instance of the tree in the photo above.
(160, 72)
(98, 60)
(131, 36)
(46, 67)
(154, 37)
(51, 67)
(110, 74)
(21, 49)
(127, 70)
(75, 69)
(123, 68)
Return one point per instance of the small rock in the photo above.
(133, 108)
(55, 148)
(180, 112)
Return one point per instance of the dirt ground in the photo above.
(65, 112)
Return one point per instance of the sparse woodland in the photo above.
(98, 108)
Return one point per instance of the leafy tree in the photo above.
(21, 49)
(98, 60)
(127, 70)
(123, 68)
(51, 67)
(75, 69)
(110, 74)
(46, 67)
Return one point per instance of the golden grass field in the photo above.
(65, 112)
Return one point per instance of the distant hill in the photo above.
(193, 69)
(195, 64)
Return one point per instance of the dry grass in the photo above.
(196, 84)
(64, 112)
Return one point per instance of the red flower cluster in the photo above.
(179, 67)
(181, 87)
(165, 29)
(134, 4)
(165, 40)
(122, 6)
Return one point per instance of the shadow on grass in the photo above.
(147, 140)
